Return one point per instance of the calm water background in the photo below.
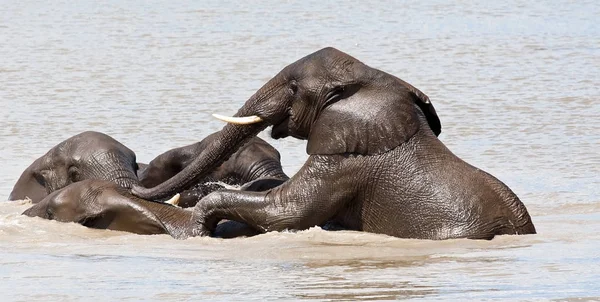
(515, 83)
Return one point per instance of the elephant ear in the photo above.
(30, 185)
(121, 213)
(422, 100)
(367, 122)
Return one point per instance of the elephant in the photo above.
(88, 155)
(375, 161)
(103, 204)
(257, 162)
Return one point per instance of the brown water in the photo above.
(516, 85)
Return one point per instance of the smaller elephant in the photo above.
(257, 164)
(103, 204)
(88, 155)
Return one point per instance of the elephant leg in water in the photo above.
(256, 160)
(375, 161)
(105, 205)
(88, 155)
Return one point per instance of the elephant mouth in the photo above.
(287, 128)
(281, 129)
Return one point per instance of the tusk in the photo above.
(174, 200)
(245, 120)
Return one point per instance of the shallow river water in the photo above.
(516, 85)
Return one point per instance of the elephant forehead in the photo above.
(93, 142)
(78, 195)
(54, 158)
(61, 154)
(53, 202)
(101, 153)
(63, 200)
(328, 61)
(328, 57)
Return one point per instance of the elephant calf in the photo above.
(103, 204)
(375, 161)
(256, 161)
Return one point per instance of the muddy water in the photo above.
(515, 84)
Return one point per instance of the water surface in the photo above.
(515, 84)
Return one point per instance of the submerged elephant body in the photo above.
(375, 161)
(88, 155)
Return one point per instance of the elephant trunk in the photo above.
(178, 222)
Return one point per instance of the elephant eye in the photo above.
(293, 87)
(73, 173)
(40, 178)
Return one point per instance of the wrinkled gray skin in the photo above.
(375, 161)
(88, 155)
(103, 204)
(256, 160)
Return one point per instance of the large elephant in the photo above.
(103, 204)
(88, 155)
(375, 161)
(256, 160)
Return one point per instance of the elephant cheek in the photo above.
(56, 181)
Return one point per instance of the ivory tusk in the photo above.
(174, 200)
(244, 120)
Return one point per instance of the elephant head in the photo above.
(105, 205)
(329, 98)
(255, 160)
(88, 155)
